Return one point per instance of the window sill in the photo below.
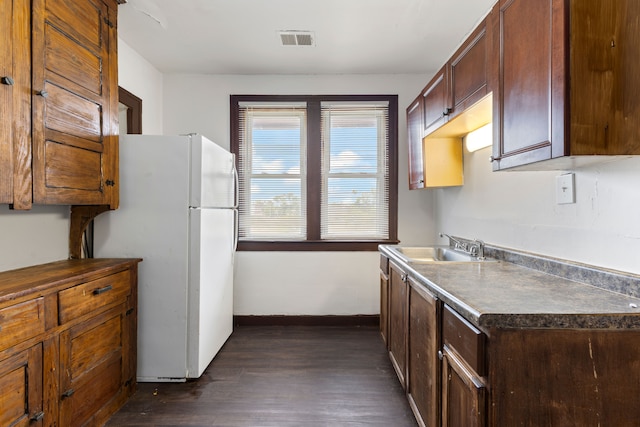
(319, 246)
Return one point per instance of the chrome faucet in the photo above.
(474, 248)
(477, 249)
(457, 244)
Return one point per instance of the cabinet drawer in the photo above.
(467, 341)
(20, 322)
(85, 298)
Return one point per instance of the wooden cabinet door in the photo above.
(423, 363)
(435, 108)
(463, 393)
(74, 143)
(531, 102)
(91, 368)
(398, 300)
(384, 308)
(414, 135)
(21, 393)
(15, 104)
(468, 71)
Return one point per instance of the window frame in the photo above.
(314, 171)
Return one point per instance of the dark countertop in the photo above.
(504, 294)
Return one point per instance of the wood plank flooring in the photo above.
(281, 376)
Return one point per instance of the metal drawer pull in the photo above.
(37, 417)
(6, 80)
(68, 393)
(102, 290)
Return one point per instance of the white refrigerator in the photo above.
(178, 212)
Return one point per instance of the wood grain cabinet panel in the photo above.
(415, 133)
(423, 385)
(73, 145)
(15, 104)
(21, 393)
(398, 300)
(463, 393)
(20, 322)
(435, 104)
(384, 299)
(567, 90)
(58, 138)
(78, 371)
(468, 68)
(85, 298)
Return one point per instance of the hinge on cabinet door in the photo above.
(109, 23)
(110, 183)
(128, 312)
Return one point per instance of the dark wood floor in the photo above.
(282, 376)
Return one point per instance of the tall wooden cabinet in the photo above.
(61, 145)
(567, 85)
(67, 341)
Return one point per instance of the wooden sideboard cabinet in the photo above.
(58, 74)
(67, 341)
(568, 87)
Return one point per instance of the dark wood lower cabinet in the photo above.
(463, 393)
(423, 364)
(384, 299)
(456, 375)
(398, 299)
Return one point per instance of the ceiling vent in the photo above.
(297, 38)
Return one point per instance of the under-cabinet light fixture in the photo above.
(479, 138)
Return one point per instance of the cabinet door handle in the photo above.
(102, 290)
(6, 80)
(37, 417)
(43, 93)
(447, 112)
(440, 355)
(68, 393)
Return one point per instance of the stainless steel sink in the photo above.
(428, 254)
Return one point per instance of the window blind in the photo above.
(355, 172)
(272, 168)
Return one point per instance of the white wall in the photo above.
(519, 210)
(138, 76)
(307, 283)
(33, 237)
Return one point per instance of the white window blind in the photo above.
(272, 163)
(355, 171)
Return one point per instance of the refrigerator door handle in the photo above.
(236, 184)
(236, 229)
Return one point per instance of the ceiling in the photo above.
(351, 36)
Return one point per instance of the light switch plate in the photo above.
(565, 189)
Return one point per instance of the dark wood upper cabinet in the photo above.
(435, 103)
(567, 83)
(414, 134)
(468, 72)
